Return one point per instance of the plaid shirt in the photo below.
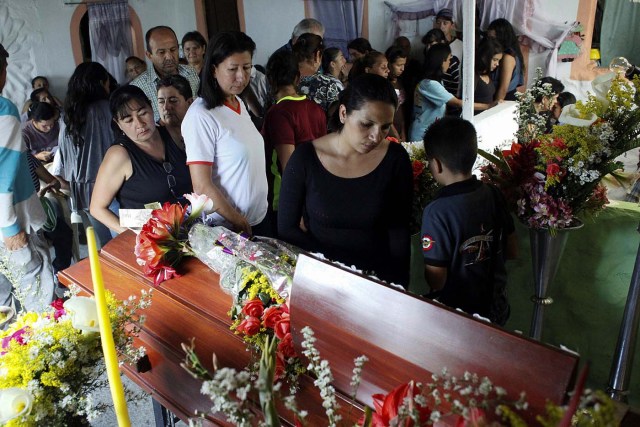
(148, 81)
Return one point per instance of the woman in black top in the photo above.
(352, 188)
(144, 165)
(488, 55)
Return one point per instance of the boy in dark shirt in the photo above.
(467, 232)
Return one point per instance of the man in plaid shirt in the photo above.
(162, 51)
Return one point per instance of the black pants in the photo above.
(62, 240)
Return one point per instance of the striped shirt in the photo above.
(20, 208)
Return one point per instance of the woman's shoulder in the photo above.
(397, 154)
(432, 87)
(199, 112)
(306, 150)
(302, 158)
(509, 56)
(198, 105)
(429, 83)
(118, 153)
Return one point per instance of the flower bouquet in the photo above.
(424, 185)
(552, 179)
(52, 362)
(471, 401)
(162, 243)
(257, 273)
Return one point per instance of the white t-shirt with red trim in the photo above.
(228, 140)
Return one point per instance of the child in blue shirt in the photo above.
(467, 231)
(431, 98)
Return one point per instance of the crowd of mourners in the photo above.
(304, 149)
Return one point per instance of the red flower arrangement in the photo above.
(424, 185)
(552, 180)
(163, 241)
(388, 407)
(256, 321)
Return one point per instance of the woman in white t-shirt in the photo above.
(225, 151)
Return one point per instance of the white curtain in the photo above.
(539, 31)
(411, 20)
(342, 21)
(110, 35)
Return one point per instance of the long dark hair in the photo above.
(221, 46)
(307, 46)
(364, 88)
(85, 87)
(282, 70)
(485, 52)
(434, 58)
(506, 36)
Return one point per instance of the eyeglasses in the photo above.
(171, 180)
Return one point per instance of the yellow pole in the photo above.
(106, 336)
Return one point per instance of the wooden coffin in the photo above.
(405, 337)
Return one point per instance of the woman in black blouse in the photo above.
(352, 188)
(144, 165)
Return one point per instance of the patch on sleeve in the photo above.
(427, 242)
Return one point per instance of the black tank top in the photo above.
(484, 92)
(153, 181)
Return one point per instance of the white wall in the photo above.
(270, 23)
(34, 34)
(37, 35)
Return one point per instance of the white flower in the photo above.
(601, 86)
(7, 314)
(199, 203)
(14, 403)
(84, 313)
(571, 116)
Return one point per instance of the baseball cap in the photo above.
(445, 13)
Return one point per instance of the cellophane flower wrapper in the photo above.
(227, 253)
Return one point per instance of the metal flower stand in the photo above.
(546, 251)
(620, 375)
